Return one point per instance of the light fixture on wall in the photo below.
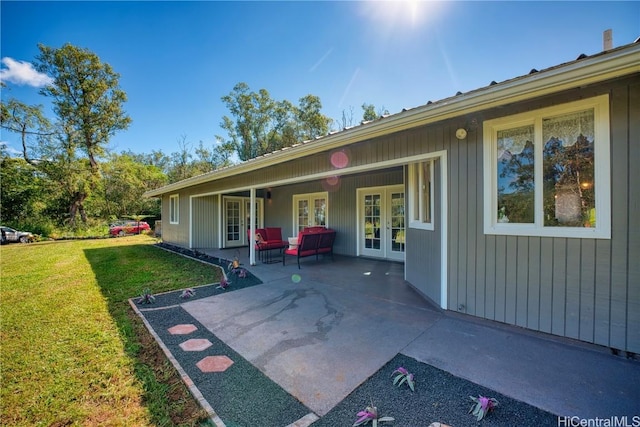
(461, 133)
(469, 126)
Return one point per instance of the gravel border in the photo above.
(438, 397)
(243, 396)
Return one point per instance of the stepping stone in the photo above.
(196, 345)
(182, 329)
(214, 364)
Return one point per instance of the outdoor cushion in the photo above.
(312, 241)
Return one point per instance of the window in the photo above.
(547, 172)
(309, 210)
(174, 209)
(421, 195)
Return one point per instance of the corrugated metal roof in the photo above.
(431, 107)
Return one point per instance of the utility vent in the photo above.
(607, 40)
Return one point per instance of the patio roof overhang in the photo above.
(604, 66)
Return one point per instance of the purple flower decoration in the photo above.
(365, 416)
(483, 405)
(146, 297)
(403, 376)
(187, 293)
(224, 283)
(370, 414)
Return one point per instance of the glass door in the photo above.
(381, 222)
(237, 219)
(395, 225)
(233, 220)
(310, 210)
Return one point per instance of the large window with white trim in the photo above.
(421, 195)
(547, 172)
(310, 209)
(174, 209)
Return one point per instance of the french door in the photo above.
(310, 210)
(237, 214)
(381, 225)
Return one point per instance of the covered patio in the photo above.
(380, 279)
(322, 331)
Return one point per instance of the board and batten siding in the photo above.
(587, 289)
(342, 203)
(176, 234)
(205, 221)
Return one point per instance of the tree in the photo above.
(87, 101)
(29, 122)
(252, 112)
(211, 158)
(370, 113)
(311, 121)
(347, 120)
(124, 181)
(261, 125)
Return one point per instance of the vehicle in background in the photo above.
(121, 228)
(12, 235)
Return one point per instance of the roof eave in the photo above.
(582, 72)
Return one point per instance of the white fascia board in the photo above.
(582, 72)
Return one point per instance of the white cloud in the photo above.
(9, 149)
(22, 73)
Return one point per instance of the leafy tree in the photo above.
(23, 191)
(124, 181)
(261, 125)
(370, 113)
(312, 122)
(252, 112)
(211, 158)
(30, 123)
(87, 101)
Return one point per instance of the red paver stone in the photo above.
(214, 364)
(182, 329)
(196, 345)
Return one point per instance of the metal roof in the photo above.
(620, 61)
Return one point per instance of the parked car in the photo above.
(11, 235)
(122, 228)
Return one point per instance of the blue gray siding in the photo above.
(588, 289)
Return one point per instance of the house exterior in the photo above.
(518, 202)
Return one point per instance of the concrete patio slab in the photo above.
(566, 378)
(317, 341)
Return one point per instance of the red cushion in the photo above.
(273, 233)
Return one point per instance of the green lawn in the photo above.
(72, 351)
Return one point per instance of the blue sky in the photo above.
(177, 59)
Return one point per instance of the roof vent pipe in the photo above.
(607, 40)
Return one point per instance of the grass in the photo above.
(73, 352)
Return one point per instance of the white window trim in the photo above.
(602, 230)
(310, 197)
(174, 209)
(413, 169)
